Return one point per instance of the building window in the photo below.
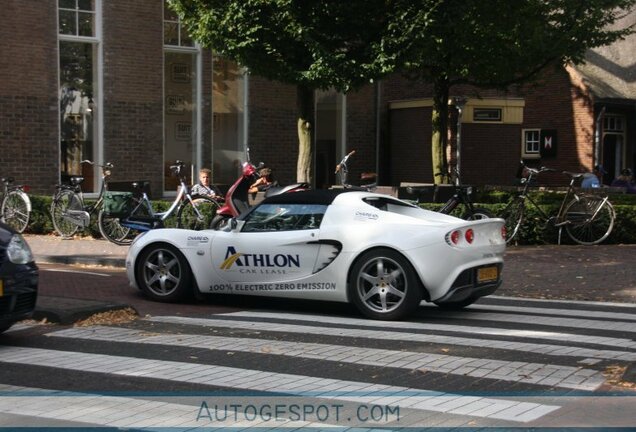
(77, 17)
(613, 123)
(486, 114)
(173, 32)
(228, 120)
(182, 90)
(78, 89)
(531, 145)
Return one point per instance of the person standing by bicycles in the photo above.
(203, 187)
(592, 180)
(625, 180)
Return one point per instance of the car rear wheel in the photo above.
(163, 273)
(383, 285)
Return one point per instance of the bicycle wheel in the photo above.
(188, 218)
(477, 214)
(513, 215)
(16, 210)
(112, 230)
(590, 219)
(63, 202)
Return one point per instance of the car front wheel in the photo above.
(163, 273)
(383, 285)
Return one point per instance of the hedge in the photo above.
(533, 229)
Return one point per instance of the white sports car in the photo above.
(382, 254)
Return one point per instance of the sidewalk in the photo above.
(79, 250)
(590, 273)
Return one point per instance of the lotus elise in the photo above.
(381, 254)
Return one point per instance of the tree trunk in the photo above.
(439, 138)
(305, 105)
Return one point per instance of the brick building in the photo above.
(119, 81)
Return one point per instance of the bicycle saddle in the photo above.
(76, 180)
(139, 184)
(574, 175)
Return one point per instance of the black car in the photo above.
(18, 278)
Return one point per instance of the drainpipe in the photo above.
(378, 97)
(460, 102)
(597, 138)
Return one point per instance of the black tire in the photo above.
(220, 222)
(62, 202)
(163, 273)
(188, 218)
(112, 230)
(591, 220)
(457, 305)
(513, 215)
(15, 210)
(383, 285)
(477, 214)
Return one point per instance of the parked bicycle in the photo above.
(70, 213)
(588, 219)
(16, 205)
(194, 212)
(462, 196)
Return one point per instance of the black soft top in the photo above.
(314, 196)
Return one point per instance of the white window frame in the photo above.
(98, 112)
(532, 153)
(76, 10)
(198, 130)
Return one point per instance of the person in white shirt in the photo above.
(203, 187)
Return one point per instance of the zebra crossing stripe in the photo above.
(535, 373)
(546, 321)
(514, 318)
(87, 410)
(563, 312)
(387, 334)
(290, 384)
(415, 326)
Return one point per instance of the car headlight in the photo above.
(19, 251)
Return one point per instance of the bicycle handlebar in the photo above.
(343, 162)
(106, 165)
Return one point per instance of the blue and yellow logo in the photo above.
(239, 259)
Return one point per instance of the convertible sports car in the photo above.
(382, 254)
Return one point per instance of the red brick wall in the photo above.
(273, 138)
(361, 132)
(133, 89)
(491, 152)
(29, 107)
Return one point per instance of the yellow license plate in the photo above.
(486, 274)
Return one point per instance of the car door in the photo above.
(275, 243)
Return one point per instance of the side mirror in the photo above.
(233, 224)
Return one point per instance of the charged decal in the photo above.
(364, 215)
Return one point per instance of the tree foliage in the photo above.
(319, 44)
(313, 44)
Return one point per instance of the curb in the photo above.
(81, 260)
(65, 310)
